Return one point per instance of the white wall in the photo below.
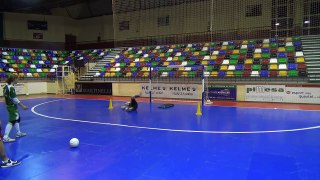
(88, 30)
(16, 27)
(71, 27)
(34, 88)
(192, 18)
(184, 18)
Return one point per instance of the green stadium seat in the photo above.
(293, 73)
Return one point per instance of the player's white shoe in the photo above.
(10, 163)
(7, 140)
(20, 134)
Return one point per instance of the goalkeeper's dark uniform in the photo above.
(130, 106)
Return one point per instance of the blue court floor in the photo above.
(159, 144)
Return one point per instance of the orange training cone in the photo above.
(110, 104)
(198, 113)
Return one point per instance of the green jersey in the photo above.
(9, 93)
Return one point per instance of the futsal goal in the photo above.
(176, 83)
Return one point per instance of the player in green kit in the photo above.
(6, 162)
(12, 103)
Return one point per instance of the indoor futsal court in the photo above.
(251, 140)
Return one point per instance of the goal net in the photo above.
(175, 83)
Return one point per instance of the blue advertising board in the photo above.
(222, 92)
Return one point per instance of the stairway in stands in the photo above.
(101, 63)
(311, 50)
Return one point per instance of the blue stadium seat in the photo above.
(222, 74)
(157, 59)
(222, 52)
(297, 43)
(239, 67)
(273, 40)
(264, 73)
(193, 58)
(292, 66)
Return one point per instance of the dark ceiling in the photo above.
(77, 9)
(80, 9)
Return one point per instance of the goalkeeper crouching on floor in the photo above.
(130, 106)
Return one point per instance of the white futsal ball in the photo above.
(74, 142)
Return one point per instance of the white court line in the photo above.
(223, 106)
(163, 129)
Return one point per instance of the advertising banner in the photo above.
(303, 95)
(182, 91)
(93, 88)
(222, 92)
(20, 88)
(265, 93)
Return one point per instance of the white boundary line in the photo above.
(223, 106)
(163, 129)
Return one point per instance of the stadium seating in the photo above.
(41, 63)
(272, 57)
(282, 57)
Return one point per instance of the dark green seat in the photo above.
(238, 73)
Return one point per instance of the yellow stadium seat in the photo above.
(289, 39)
(236, 51)
(142, 59)
(21, 75)
(126, 52)
(266, 45)
(131, 56)
(15, 65)
(223, 68)
(229, 73)
(204, 62)
(248, 61)
(245, 42)
(175, 58)
(166, 63)
(213, 57)
(224, 47)
(257, 56)
(184, 73)
(35, 74)
(196, 53)
(283, 73)
(281, 49)
(214, 73)
(128, 74)
(187, 49)
(273, 67)
(112, 61)
(161, 55)
(300, 60)
(45, 70)
(144, 69)
(132, 64)
(145, 74)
